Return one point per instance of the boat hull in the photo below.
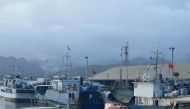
(60, 97)
(17, 99)
(91, 100)
(15, 96)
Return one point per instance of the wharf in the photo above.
(181, 99)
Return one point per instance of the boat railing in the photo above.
(145, 80)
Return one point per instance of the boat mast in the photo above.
(120, 71)
(156, 67)
(156, 64)
(68, 65)
(126, 51)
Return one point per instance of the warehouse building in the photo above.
(112, 76)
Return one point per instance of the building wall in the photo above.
(151, 102)
(147, 89)
(144, 101)
(134, 71)
(164, 102)
(143, 89)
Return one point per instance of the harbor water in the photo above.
(12, 105)
(143, 107)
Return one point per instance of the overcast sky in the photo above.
(38, 29)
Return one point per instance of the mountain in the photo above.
(146, 61)
(12, 65)
(81, 71)
(138, 61)
(48, 65)
(37, 68)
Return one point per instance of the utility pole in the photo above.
(172, 50)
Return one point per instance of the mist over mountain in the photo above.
(12, 65)
(48, 65)
(43, 28)
(39, 68)
(81, 70)
(147, 61)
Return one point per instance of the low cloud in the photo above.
(38, 29)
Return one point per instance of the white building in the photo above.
(147, 93)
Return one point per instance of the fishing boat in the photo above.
(17, 89)
(63, 91)
(114, 105)
(120, 95)
(91, 98)
(65, 88)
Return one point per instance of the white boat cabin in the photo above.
(146, 92)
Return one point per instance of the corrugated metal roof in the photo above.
(134, 71)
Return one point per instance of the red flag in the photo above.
(171, 66)
(93, 72)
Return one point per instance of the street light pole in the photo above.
(172, 49)
(86, 57)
